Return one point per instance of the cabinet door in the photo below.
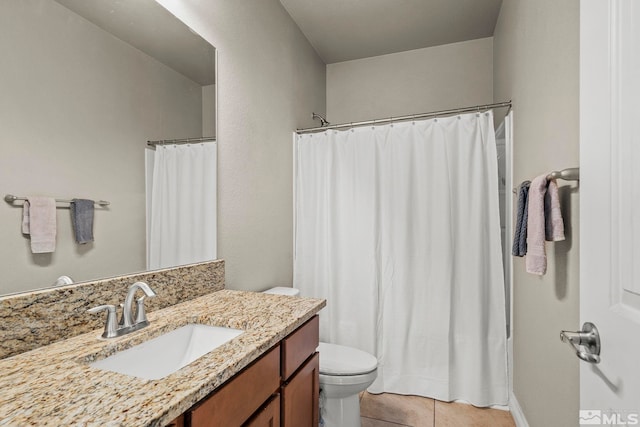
(300, 396)
(269, 416)
(245, 393)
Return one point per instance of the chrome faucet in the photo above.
(127, 323)
(127, 311)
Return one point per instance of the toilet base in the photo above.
(344, 412)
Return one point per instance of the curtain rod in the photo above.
(180, 141)
(411, 117)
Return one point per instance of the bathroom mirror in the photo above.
(84, 84)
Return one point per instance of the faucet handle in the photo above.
(141, 315)
(121, 322)
(111, 324)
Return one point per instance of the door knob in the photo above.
(586, 342)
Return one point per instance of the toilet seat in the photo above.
(339, 360)
(348, 379)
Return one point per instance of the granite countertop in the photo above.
(54, 385)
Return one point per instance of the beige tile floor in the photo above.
(394, 410)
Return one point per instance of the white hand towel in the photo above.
(39, 221)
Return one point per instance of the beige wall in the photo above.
(269, 81)
(536, 65)
(76, 108)
(416, 81)
(209, 110)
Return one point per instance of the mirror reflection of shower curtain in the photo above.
(181, 204)
(397, 226)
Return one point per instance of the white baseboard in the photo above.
(516, 412)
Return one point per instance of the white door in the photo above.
(610, 208)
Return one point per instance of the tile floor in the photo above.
(393, 410)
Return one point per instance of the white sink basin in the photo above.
(164, 355)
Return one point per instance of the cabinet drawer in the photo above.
(269, 416)
(297, 347)
(300, 396)
(237, 400)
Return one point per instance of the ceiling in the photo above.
(149, 27)
(342, 30)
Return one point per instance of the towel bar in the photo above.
(569, 174)
(10, 198)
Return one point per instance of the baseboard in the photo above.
(516, 412)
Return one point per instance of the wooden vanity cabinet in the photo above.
(300, 396)
(243, 395)
(267, 416)
(279, 389)
(301, 376)
(178, 422)
(298, 346)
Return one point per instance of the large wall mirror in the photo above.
(84, 84)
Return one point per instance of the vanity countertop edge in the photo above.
(54, 385)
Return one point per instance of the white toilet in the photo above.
(344, 372)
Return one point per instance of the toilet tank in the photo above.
(282, 290)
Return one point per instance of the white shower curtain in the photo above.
(397, 226)
(181, 204)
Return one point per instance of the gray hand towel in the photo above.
(519, 247)
(82, 220)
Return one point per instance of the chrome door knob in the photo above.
(586, 342)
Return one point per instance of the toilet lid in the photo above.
(341, 360)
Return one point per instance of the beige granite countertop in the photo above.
(54, 385)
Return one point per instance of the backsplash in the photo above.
(35, 319)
